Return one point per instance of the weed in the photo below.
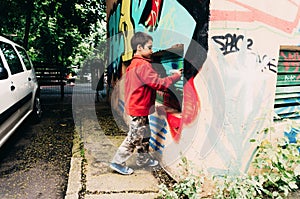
(189, 185)
(276, 173)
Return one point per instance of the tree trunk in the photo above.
(28, 23)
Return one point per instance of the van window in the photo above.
(1, 64)
(3, 72)
(12, 58)
(25, 58)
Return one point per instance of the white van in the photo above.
(19, 93)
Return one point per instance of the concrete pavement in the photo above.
(90, 176)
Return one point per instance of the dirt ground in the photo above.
(35, 162)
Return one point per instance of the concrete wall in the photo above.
(231, 51)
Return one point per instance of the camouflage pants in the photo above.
(137, 138)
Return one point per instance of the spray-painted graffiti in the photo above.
(151, 14)
(128, 16)
(229, 43)
(222, 128)
(272, 66)
(267, 63)
(122, 21)
(290, 78)
(289, 56)
(289, 63)
(289, 67)
(232, 43)
(126, 28)
(292, 136)
(255, 11)
(243, 77)
(158, 128)
(116, 43)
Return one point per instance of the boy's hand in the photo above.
(179, 71)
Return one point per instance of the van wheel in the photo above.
(37, 110)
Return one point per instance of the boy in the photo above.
(141, 83)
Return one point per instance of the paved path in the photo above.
(90, 175)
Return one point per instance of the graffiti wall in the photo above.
(245, 39)
(230, 58)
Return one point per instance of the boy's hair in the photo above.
(139, 38)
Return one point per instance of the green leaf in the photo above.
(297, 170)
(293, 185)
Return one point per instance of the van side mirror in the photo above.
(3, 73)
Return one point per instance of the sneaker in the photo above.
(121, 169)
(150, 163)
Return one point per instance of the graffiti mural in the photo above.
(128, 16)
(155, 17)
(240, 45)
(230, 61)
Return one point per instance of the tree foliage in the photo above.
(62, 32)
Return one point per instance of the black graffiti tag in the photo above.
(266, 62)
(230, 43)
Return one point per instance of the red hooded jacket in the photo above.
(141, 83)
